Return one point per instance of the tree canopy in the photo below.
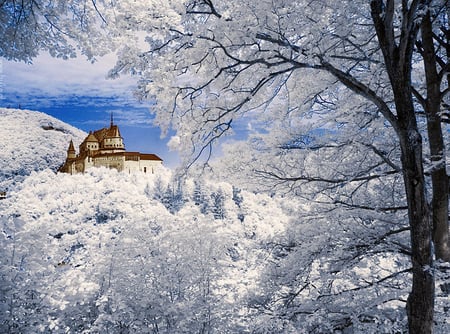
(360, 85)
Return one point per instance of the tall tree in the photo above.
(211, 62)
(230, 59)
(435, 65)
(398, 53)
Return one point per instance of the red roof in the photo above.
(142, 156)
(149, 156)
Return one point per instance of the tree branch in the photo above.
(377, 209)
(383, 156)
(369, 284)
(324, 180)
(208, 3)
(363, 90)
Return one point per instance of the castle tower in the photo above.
(89, 144)
(71, 154)
(113, 139)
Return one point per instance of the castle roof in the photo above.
(142, 156)
(91, 138)
(114, 131)
(111, 132)
(71, 147)
(147, 156)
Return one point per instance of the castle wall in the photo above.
(109, 161)
(132, 166)
(149, 166)
(145, 166)
(115, 142)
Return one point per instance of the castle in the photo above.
(105, 148)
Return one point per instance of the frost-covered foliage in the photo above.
(31, 26)
(102, 252)
(213, 62)
(313, 77)
(107, 251)
(344, 260)
(31, 141)
(97, 253)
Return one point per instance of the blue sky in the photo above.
(77, 92)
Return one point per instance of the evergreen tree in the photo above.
(178, 199)
(218, 200)
(199, 197)
(237, 196)
(158, 190)
(238, 199)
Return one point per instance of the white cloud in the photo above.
(174, 143)
(50, 82)
(49, 76)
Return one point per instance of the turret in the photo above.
(113, 139)
(71, 154)
(90, 143)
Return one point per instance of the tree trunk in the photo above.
(397, 54)
(420, 305)
(439, 177)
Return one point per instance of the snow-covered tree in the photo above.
(326, 69)
(229, 59)
(31, 26)
(200, 198)
(138, 269)
(217, 205)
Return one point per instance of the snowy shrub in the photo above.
(101, 252)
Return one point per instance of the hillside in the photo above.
(111, 252)
(105, 249)
(31, 141)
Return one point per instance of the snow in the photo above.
(31, 141)
(117, 243)
(112, 252)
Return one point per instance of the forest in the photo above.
(108, 252)
(347, 112)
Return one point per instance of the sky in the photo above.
(78, 93)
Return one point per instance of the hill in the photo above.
(110, 252)
(103, 251)
(31, 141)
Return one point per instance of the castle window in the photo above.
(145, 169)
